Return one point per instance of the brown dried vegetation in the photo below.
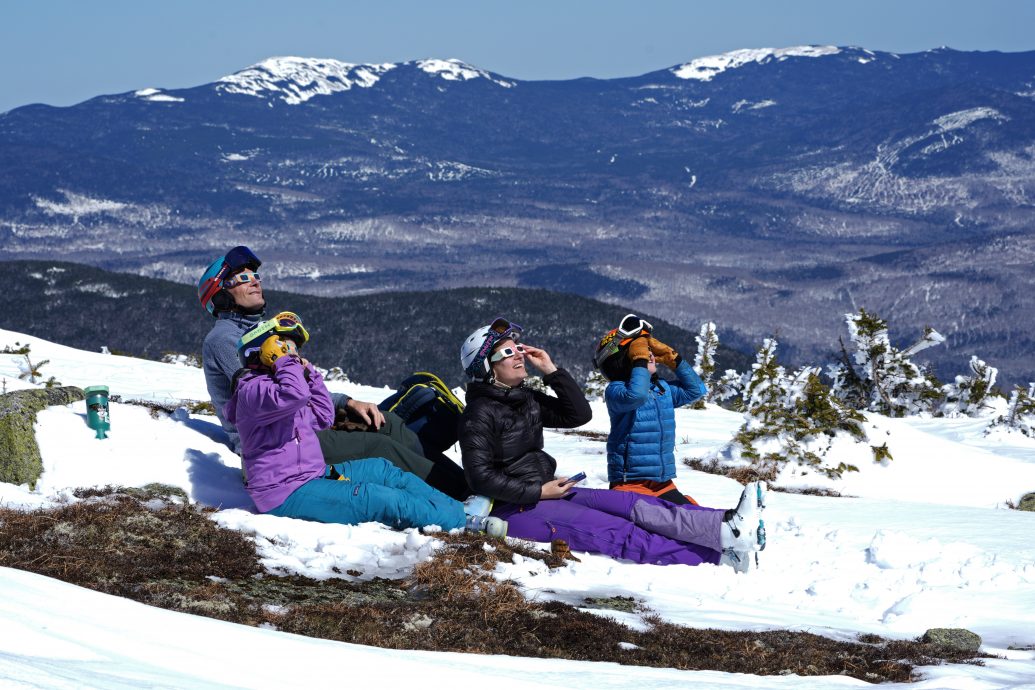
(151, 546)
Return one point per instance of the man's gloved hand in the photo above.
(663, 354)
(639, 349)
(273, 348)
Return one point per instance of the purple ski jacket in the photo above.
(277, 413)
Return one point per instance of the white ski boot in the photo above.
(478, 505)
(740, 561)
(492, 526)
(743, 529)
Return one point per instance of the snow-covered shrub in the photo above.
(536, 384)
(968, 395)
(333, 374)
(30, 371)
(1020, 412)
(181, 359)
(594, 386)
(791, 418)
(878, 377)
(728, 390)
(704, 360)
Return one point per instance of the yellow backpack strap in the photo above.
(443, 389)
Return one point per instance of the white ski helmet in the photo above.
(474, 353)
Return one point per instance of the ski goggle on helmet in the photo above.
(212, 280)
(285, 324)
(474, 353)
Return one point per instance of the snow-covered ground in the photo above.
(923, 541)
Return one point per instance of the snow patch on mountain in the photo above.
(706, 68)
(156, 96)
(456, 70)
(962, 118)
(295, 79)
(102, 289)
(77, 205)
(748, 105)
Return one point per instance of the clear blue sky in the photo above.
(65, 51)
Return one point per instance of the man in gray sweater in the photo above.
(230, 289)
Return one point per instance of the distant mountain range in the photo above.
(770, 191)
(376, 339)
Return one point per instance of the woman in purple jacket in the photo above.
(278, 403)
(501, 442)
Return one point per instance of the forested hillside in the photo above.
(376, 339)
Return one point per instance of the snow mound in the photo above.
(706, 68)
(456, 70)
(295, 79)
(156, 96)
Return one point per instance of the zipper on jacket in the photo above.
(661, 436)
(298, 451)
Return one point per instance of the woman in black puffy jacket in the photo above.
(501, 442)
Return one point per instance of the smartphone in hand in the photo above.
(575, 479)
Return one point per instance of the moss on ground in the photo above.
(20, 461)
(152, 546)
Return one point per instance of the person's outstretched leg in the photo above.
(395, 429)
(341, 446)
(586, 529)
(689, 523)
(397, 498)
(448, 477)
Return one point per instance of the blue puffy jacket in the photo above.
(642, 441)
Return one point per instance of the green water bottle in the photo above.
(97, 416)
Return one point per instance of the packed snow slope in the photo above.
(923, 541)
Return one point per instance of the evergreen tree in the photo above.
(333, 374)
(704, 361)
(707, 344)
(968, 395)
(794, 418)
(536, 384)
(878, 377)
(766, 386)
(728, 390)
(1020, 412)
(595, 385)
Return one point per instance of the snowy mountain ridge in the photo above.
(707, 68)
(297, 79)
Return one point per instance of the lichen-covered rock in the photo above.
(1027, 502)
(20, 461)
(953, 638)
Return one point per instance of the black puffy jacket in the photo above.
(501, 435)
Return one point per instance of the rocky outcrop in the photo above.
(953, 638)
(20, 461)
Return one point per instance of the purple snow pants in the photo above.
(620, 524)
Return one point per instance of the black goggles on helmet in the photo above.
(241, 257)
(500, 329)
(505, 329)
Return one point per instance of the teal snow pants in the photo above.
(371, 490)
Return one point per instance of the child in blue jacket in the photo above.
(641, 444)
